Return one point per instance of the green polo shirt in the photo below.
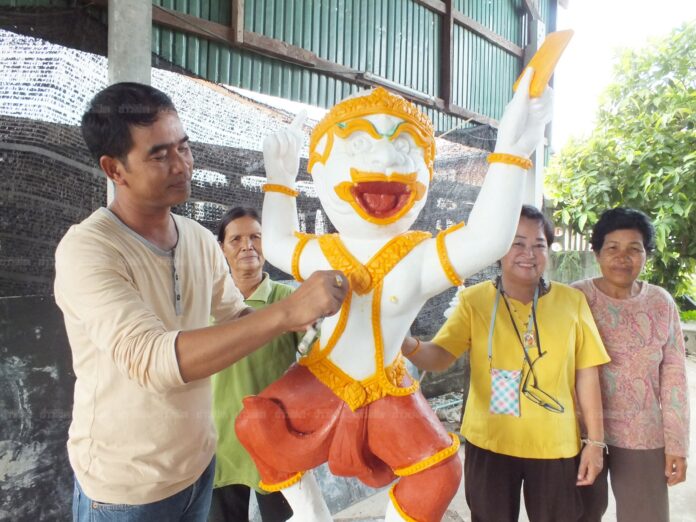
(248, 377)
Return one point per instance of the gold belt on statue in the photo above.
(357, 394)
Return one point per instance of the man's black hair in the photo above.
(623, 219)
(113, 111)
(231, 215)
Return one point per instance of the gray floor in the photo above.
(682, 496)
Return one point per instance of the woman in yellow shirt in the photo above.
(533, 347)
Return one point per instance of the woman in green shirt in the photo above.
(239, 235)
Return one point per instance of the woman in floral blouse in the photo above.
(644, 389)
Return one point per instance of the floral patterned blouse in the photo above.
(644, 388)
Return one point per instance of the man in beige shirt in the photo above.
(137, 286)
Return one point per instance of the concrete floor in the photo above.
(682, 497)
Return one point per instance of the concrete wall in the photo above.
(36, 386)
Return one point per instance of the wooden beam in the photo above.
(182, 22)
(441, 8)
(237, 20)
(475, 117)
(277, 49)
(481, 30)
(186, 23)
(446, 53)
(532, 7)
(192, 24)
(265, 45)
(261, 44)
(437, 6)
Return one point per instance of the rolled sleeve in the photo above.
(100, 302)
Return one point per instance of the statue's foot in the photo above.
(306, 501)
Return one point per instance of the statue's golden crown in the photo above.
(379, 101)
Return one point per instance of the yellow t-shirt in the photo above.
(569, 340)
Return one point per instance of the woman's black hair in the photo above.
(623, 219)
(231, 215)
(533, 213)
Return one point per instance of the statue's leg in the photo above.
(405, 433)
(288, 429)
(425, 496)
(306, 501)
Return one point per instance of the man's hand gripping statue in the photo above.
(350, 401)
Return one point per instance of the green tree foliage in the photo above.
(641, 154)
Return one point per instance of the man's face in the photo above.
(157, 170)
(242, 246)
(374, 175)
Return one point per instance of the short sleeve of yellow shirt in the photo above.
(569, 342)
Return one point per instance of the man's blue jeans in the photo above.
(189, 505)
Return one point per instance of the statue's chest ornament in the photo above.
(363, 279)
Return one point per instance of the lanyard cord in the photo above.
(532, 321)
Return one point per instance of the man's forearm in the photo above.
(203, 352)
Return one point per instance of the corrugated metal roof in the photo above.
(394, 39)
(398, 40)
(500, 16)
(213, 10)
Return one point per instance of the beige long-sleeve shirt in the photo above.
(139, 433)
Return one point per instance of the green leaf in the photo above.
(641, 154)
(581, 222)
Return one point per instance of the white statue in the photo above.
(350, 401)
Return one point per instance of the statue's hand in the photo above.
(522, 125)
(281, 152)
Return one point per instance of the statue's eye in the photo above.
(360, 144)
(402, 144)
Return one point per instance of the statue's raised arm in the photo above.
(281, 156)
(463, 250)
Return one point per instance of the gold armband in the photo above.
(445, 262)
(295, 264)
(274, 187)
(510, 159)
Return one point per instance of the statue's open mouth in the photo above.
(379, 198)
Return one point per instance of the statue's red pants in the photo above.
(297, 423)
